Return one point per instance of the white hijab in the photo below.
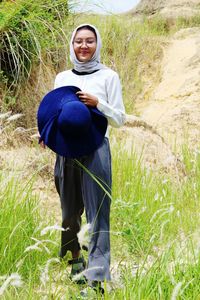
(94, 63)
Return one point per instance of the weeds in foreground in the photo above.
(154, 237)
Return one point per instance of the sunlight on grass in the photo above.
(154, 236)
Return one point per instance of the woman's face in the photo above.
(84, 44)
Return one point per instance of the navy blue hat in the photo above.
(67, 126)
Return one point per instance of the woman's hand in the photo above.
(88, 99)
(42, 144)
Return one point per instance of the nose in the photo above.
(84, 44)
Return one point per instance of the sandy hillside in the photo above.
(168, 8)
(172, 115)
(174, 110)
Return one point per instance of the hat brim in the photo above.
(64, 145)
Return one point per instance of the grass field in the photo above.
(154, 237)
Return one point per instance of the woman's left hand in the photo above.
(88, 99)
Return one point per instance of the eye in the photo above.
(78, 42)
(90, 41)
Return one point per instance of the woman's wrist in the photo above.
(97, 101)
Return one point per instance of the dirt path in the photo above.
(174, 110)
(172, 116)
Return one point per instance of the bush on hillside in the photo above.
(23, 26)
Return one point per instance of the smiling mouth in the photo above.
(84, 52)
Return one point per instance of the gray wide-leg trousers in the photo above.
(79, 191)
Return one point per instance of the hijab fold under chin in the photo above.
(94, 63)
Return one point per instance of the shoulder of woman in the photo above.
(63, 73)
(110, 72)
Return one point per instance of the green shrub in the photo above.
(28, 30)
(183, 22)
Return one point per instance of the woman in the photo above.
(100, 87)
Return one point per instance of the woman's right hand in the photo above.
(88, 99)
(42, 144)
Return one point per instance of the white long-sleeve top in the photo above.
(105, 85)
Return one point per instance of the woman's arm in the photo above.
(114, 108)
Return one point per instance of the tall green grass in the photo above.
(157, 218)
(156, 203)
(154, 236)
(21, 224)
(183, 22)
(28, 31)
